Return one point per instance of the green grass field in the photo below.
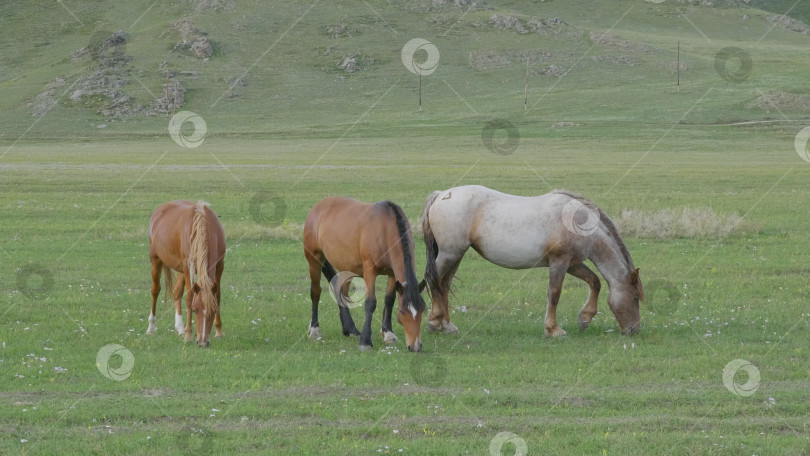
(77, 190)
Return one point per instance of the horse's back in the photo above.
(509, 230)
(170, 229)
(346, 230)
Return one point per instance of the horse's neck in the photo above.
(610, 261)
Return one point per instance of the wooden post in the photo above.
(678, 66)
(167, 91)
(526, 87)
(420, 92)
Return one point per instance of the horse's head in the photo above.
(411, 306)
(624, 302)
(204, 305)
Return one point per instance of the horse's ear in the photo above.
(634, 277)
(399, 288)
(195, 288)
(422, 285)
(215, 288)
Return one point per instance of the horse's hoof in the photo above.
(583, 325)
(432, 327)
(314, 332)
(180, 330)
(556, 332)
(389, 338)
(150, 330)
(450, 328)
(219, 334)
(188, 338)
(365, 348)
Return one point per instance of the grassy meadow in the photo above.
(77, 189)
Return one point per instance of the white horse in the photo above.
(557, 230)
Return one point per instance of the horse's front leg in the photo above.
(217, 317)
(555, 281)
(369, 276)
(390, 296)
(177, 296)
(189, 301)
(583, 273)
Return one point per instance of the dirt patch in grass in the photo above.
(617, 43)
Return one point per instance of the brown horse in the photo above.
(188, 238)
(364, 240)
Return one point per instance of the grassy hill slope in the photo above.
(292, 68)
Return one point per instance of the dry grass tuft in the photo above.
(680, 223)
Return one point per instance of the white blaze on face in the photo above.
(413, 310)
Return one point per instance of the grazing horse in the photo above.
(188, 238)
(557, 230)
(364, 240)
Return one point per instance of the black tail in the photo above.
(411, 294)
(432, 248)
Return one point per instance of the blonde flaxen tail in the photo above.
(198, 257)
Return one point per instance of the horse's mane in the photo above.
(198, 257)
(411, 292)
(608, 224)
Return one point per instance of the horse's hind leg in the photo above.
(556, 276)
(390, 296)
(346, 322)
(157, 266)
(314, 331)
(370, 305)
(583, 273)
(439, 319)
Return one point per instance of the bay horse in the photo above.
(558, 230)
(364, 240)
(187, 237)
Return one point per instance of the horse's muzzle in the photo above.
(415, 347)
(632, 330)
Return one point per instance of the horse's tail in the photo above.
(169, 277)
(411, 292)
(432, 248)
(198, 258)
